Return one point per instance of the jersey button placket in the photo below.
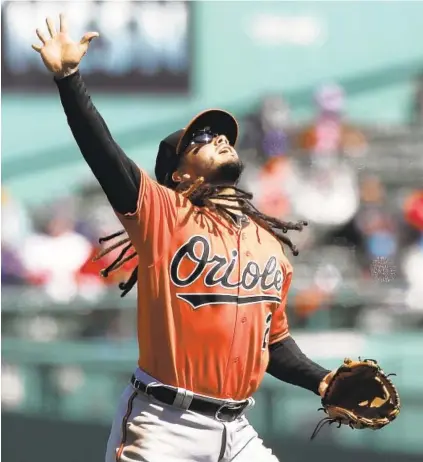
(241, 320)
(230, 375)
(234, 352)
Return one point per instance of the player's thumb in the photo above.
(325, 383)
(86, 39)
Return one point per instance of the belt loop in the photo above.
(183, 398)
(135, 383)
(151, 385)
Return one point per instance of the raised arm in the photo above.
(117, 174)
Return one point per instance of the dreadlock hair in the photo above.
(202, 194)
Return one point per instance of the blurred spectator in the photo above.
(327, 194)
(378, 227)
(274, 179)
(330, 134)
(58, 257)
(413, 209)
(272, 185)
(372, 232)
(265, 132)
(412, 265)
(412, 262)
(15, 227)
(269, 171)
(15, 221)
(53, 257)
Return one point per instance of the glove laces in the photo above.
(324, 421)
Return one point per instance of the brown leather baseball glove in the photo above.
(360, 395)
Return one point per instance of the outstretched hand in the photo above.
(58, 51)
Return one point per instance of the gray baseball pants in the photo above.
(146, 430)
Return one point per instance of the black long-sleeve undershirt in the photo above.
(289, 364)
(117, 174)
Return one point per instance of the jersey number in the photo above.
(266, 331)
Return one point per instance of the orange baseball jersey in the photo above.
(211, 295)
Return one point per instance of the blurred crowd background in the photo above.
(329, 97)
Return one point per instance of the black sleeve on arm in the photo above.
(289, 364)
(117, 174)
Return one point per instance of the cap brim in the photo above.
(215, 120)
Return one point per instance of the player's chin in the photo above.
(227, 171)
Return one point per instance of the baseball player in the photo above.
(212, 280)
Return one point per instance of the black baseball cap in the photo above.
(173, 146)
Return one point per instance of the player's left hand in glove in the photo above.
(58, 51)
(359, 394)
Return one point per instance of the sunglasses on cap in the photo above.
(203, 136)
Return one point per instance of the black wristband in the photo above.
(289, 364)
(67, 79)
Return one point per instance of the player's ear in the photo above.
(176, 177)
(179, 177)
